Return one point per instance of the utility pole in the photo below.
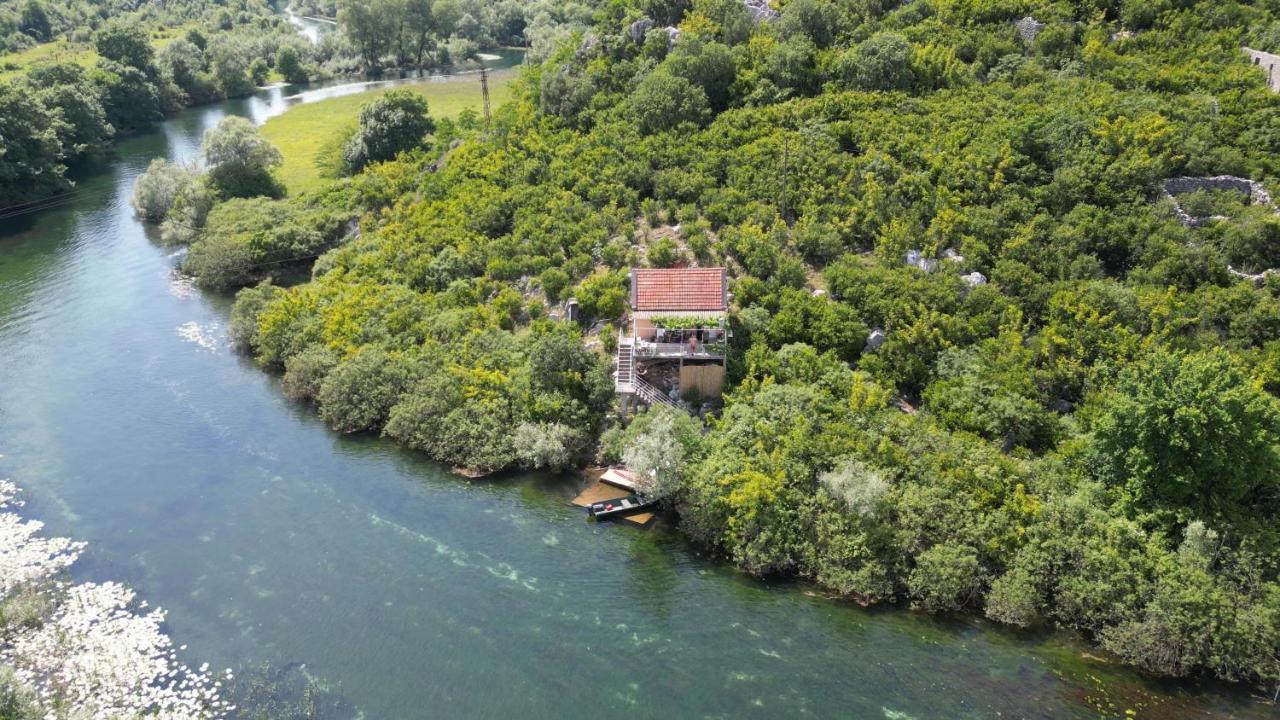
(484, 89)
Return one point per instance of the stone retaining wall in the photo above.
(1173, 187)
(1269, 63)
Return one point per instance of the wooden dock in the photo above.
(599, 491)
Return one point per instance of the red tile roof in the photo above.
(684, 289)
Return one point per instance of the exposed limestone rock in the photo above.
(673, 33)
(974, 279)
(1028, 28)
(914, 258)
(1256, 278)
(760, 10)
(874, 340)
(639, 28)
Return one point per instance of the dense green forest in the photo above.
(112, 71)
(1072, 420)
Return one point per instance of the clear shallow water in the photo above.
(132, 425)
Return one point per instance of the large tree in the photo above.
(240, 161)
(126, 43)
(30, 164)
(390, 125)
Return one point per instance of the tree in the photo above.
(288, 65)
(447, 15)
(304, 373)
(243, 325)
(946, 578)
(240, 160)
(370, 26)
(183, 62)
(663, 101)
(1188, 431)
(819, 20)
(259, 72)
(30, 164)
(127, 43)
(388, 126)
(660, 446)
(156, 189)
(65, 87)
(708, 65)
(419, 27)
(881, 62)
(991, 390)
(129, 98)
(35, 21)
(229, 60)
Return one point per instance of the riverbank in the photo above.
(310, 135)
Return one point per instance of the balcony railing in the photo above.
(709, 350)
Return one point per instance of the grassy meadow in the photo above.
(64, 50)
(309, 134)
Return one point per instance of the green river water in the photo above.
(412, 593)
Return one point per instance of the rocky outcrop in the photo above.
(760, 11)
(639, 28)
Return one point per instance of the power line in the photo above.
(62, 201)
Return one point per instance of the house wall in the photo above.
(709, 379)
(644, 328)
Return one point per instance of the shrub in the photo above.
(550, 446)
(304, 373)
(17, 701)
(946, 578)
(859, 487)
(664, 253)
(554, 281)
(249, 304)
(360, 391)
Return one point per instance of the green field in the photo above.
(63, 50)
(305, 131)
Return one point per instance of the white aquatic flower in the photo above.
(94, 655)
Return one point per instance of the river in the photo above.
(410, 592)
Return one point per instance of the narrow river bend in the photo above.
(415, 594)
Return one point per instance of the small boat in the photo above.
(618, 507)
